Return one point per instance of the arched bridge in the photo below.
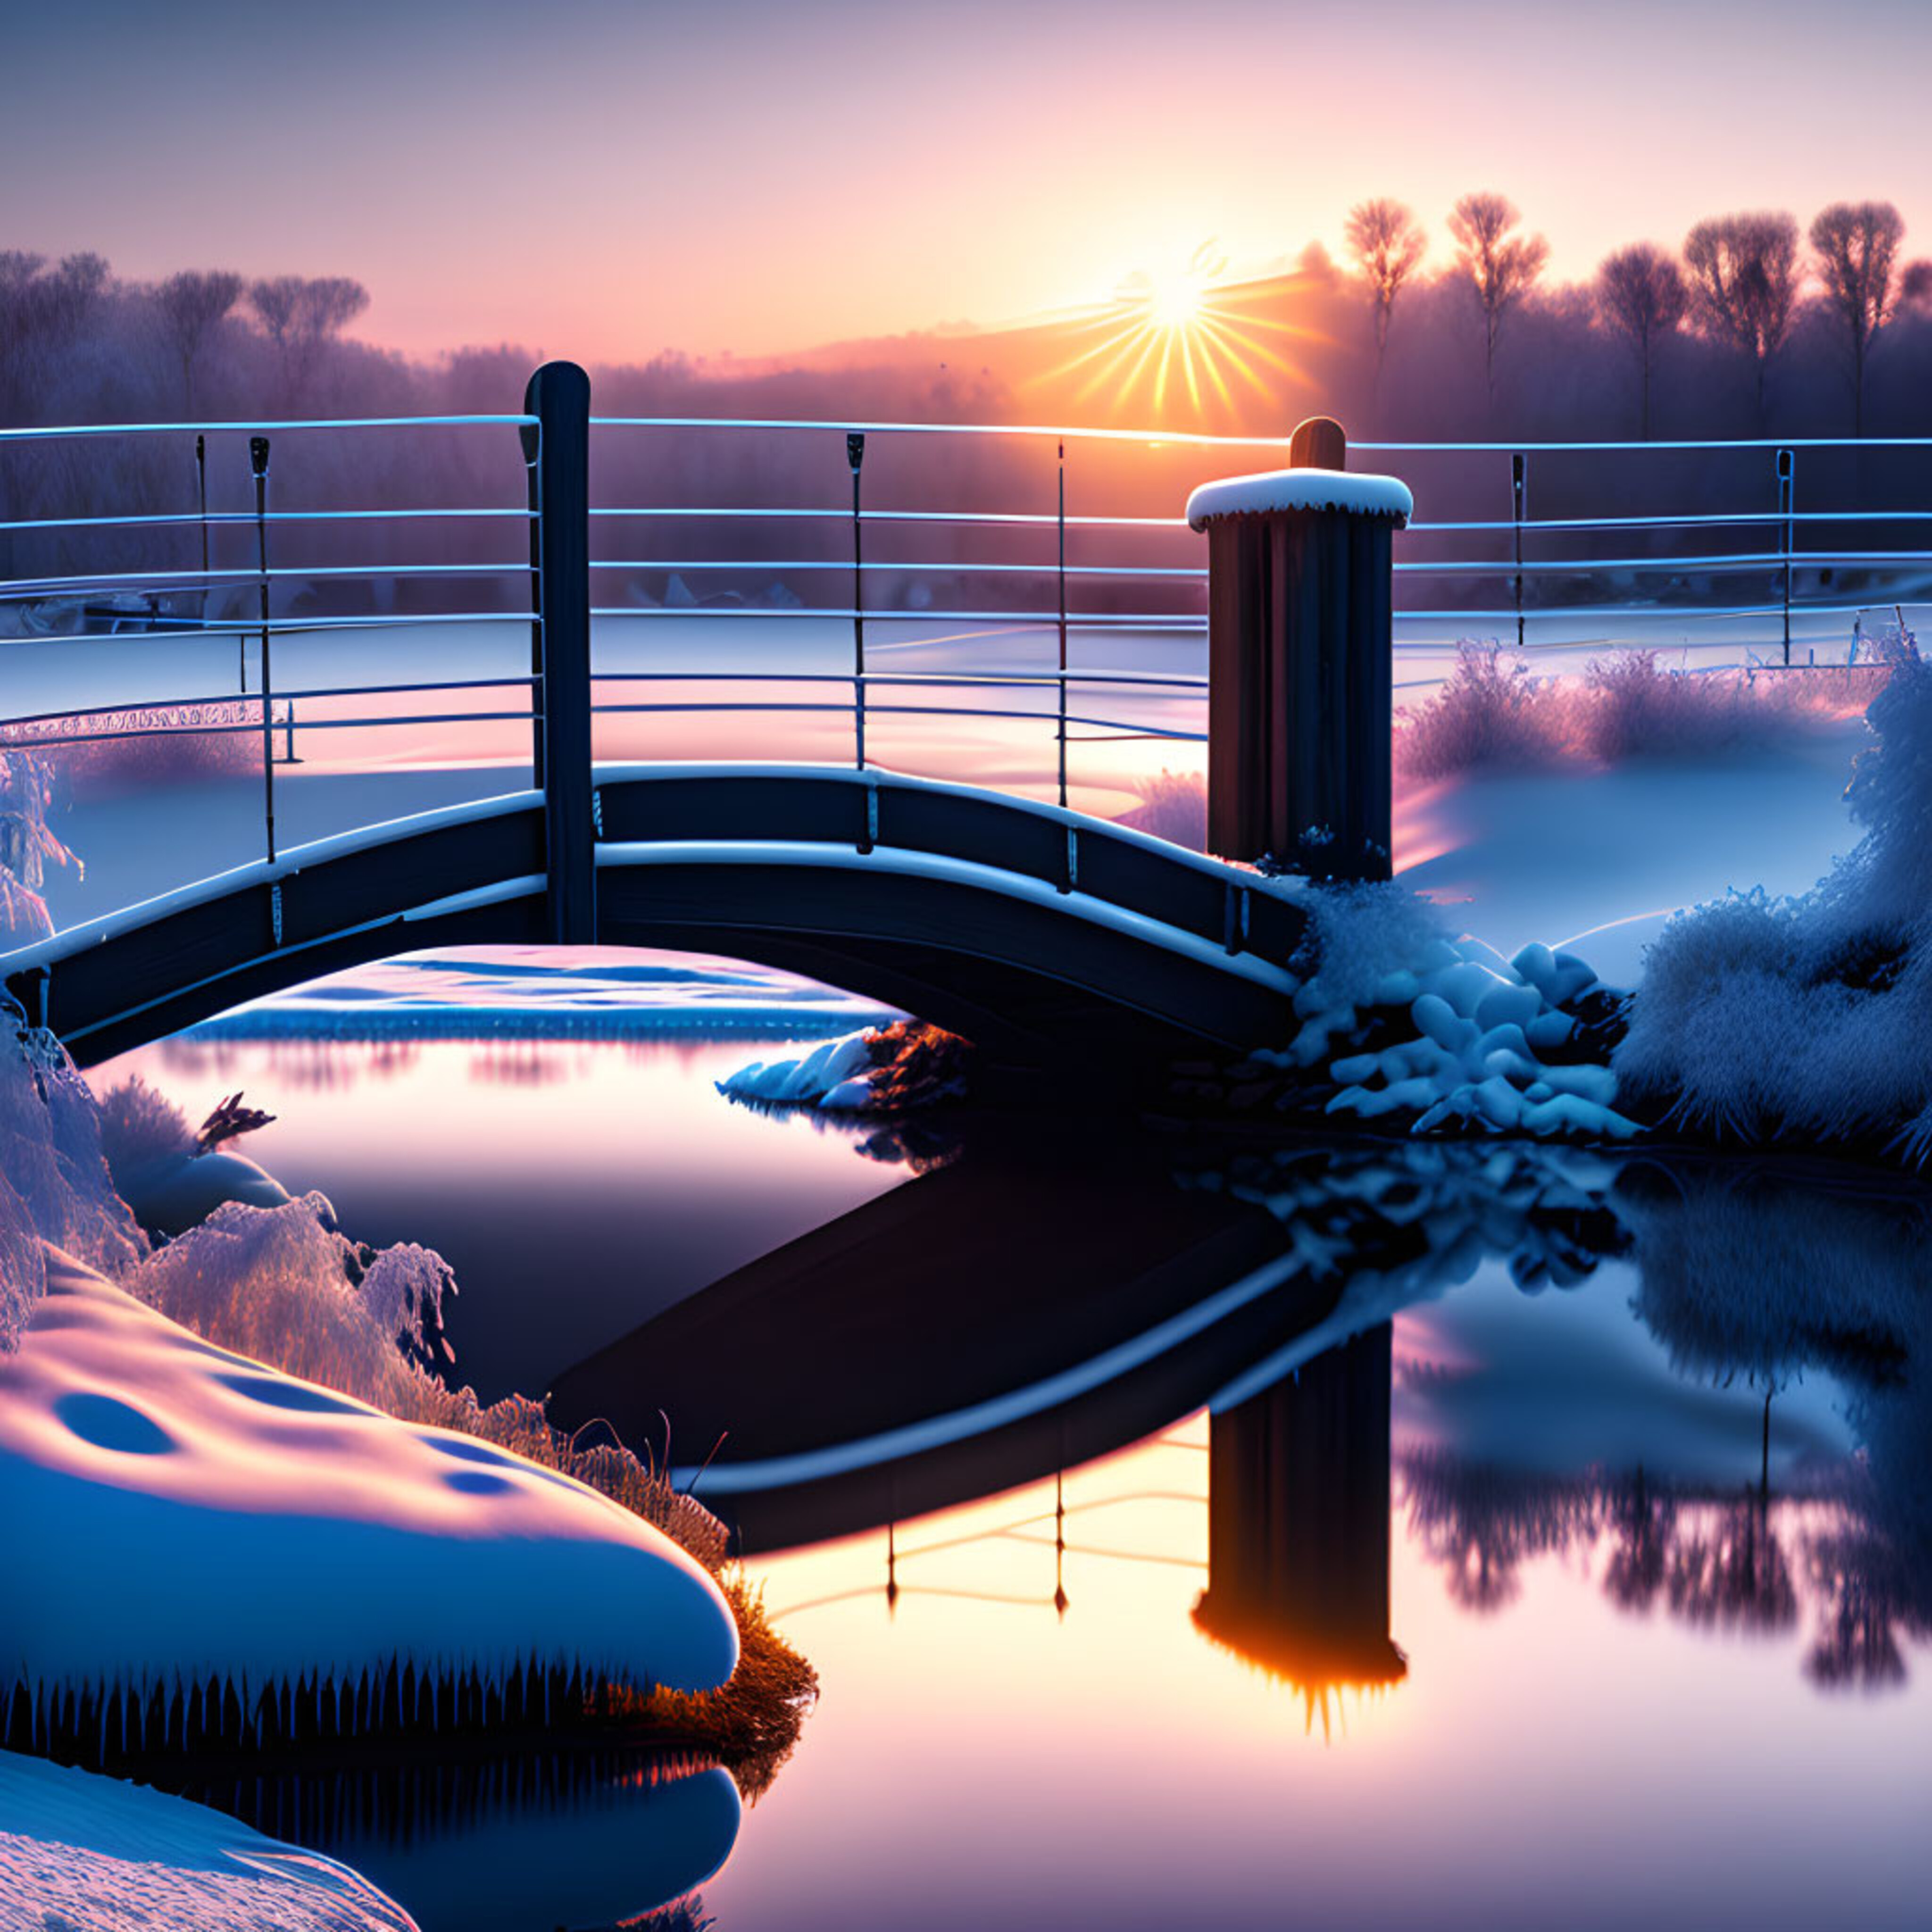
(1039, 932)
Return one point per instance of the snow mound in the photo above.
(1300, 490)
(1813, 1014)
(888, 1070)
(1483, 1026)
(269, 1530)
(832, 1077)
(1481, 1042)
(79, 1853)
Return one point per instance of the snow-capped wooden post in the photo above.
(556, 451)
(1300, 632)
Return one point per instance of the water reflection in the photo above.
(589, 1840)
(1298, 1526)
(1091, 1468)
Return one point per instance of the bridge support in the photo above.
(1300, 629)
(556, 453)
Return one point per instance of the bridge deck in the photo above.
(1034, 930)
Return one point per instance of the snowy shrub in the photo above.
(1493, 715)
(1490, 714)
(1631, 707)
(53, 1182)
(27, 848)
(283, 1286)
(1813, 1015)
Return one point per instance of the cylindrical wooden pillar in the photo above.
(1300, 631)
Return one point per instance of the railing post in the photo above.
(1301, 640)
(1519, 506)
(855, 457)
(559, 397)
(258, 461)
(1061, 520)
(1787, 492)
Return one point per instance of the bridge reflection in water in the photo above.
(1002, 1324)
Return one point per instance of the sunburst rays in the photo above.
(1162, 339)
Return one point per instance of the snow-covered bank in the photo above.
(277, 1535)
(81, 1853)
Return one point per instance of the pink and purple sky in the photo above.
(610, 178)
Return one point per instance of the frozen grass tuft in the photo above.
(1490, 715)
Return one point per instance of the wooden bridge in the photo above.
(1037, 932)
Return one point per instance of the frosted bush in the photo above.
(1490, 713)
(27, 848)
(139, 1125)
(53, 1182)
(1813, 1015)
(284, 1286)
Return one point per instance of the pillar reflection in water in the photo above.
(1298, 1526)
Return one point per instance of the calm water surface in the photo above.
(1517, 1605)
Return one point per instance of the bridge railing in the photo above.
(968, 600)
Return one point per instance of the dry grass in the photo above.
(751, 1725)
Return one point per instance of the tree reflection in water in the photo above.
(1752, 1279)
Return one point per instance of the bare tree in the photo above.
(1641, 296)
(1857, 244)
(1743, 271)
(1387, 242)
(193, 305)
(301, 313)
(1502, 267)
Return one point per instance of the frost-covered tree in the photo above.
(193, 305)
(1857, 245)
(300, 313)
(1744, 276)
(1641, 297)
(1387, 243)
(1501, 265)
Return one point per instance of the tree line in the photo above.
(1741, 286)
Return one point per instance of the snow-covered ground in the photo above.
(79, 1853)
(269, 1529)
(1597, 860)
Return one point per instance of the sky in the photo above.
(608, 179)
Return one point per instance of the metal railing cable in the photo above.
(964, 584)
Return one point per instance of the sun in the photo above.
(1176, 301)
(1182, 330)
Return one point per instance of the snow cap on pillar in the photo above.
(1316, 478)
